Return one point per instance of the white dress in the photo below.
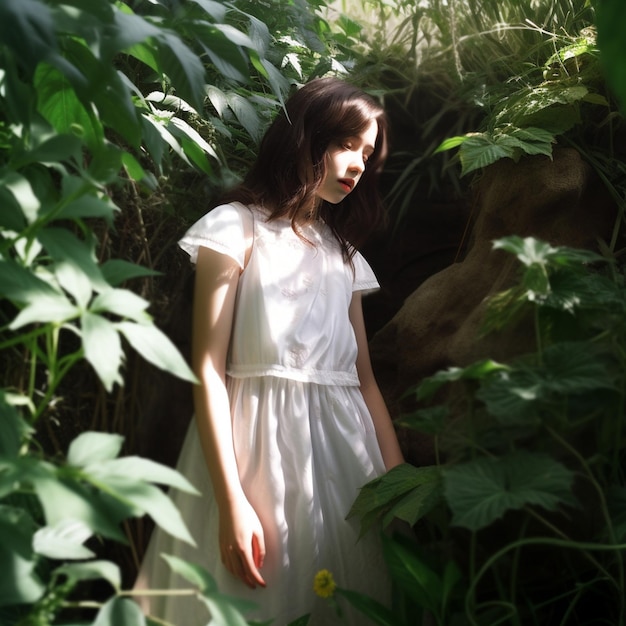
(303, 436)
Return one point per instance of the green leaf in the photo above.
(480, 150)
(64, 246)
(531, 251)
(568, 369)
(611, 22)
(226, 55)
(54, 308)
(573, 367)
(481, 491)
(114, 104)
(13, 429)
(88, 206)
(120, 612)
(246, 115)
(141, 470)
(129, 31)
(121, 302)
(195, 574)
(19, 583)
(11, 216)
(103, 348)
(65, 497)
(476, 371)
(74, 281)
(224, 611)
(405, 491)
(186, 130)
(116, 271)
(20, 187)
(143, 498)
(412, 574)
(183, 67)
(93, 447)
(451, 142)
(60, 106)
(21, 285)
(215, 9)
(431, 420)
(63, 540)
(27, 26)
(156, 348)
(54, 149)
(92, 571)
(106, 163)
(376, 612)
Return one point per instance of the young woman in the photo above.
(289, 421)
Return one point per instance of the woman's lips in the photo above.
(346, 184)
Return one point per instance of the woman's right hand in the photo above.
(242, 543)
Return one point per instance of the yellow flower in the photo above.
(324, 584)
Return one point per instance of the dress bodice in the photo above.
(291, 313)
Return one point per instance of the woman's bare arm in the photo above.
(385, 432)
(241, 535)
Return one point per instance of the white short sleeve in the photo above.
(221, 229)
(364, 277)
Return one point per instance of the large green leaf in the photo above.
(224, 611)
(66, 497)
(11, 216)
(141, 470)
(123, 303)
(63, 246)
(93, 447)
(116, 271)
(58, 103)
(105, 89)
(128, 30)
(63, 540)
(93, 570)
(13, 429)
(195, 574)
(103, 348)
(376, 612)
(405, 491)
(144, 498)
(54, 308)
(568, 369)
(87, 206)
(412, 574)
(611, 24)
(154, 346)
(21, 189)
(27, 26)
(481, 491)
(183, 67)
(215, 9)
(531, 251)
(120, 612)
(19, 582)
(53, 148)
(476, 371)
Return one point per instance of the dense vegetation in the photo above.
(121, 120)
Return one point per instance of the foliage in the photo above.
(101, 101)
(533, 457)
(495, 80)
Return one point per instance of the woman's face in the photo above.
(345, 164)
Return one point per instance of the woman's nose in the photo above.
(356, 166)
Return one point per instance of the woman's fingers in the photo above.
(245, 564)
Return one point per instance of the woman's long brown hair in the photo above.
(291, 163)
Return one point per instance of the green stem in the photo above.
(604, 508)
(536, 541)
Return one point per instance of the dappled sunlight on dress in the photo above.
(304, 439)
